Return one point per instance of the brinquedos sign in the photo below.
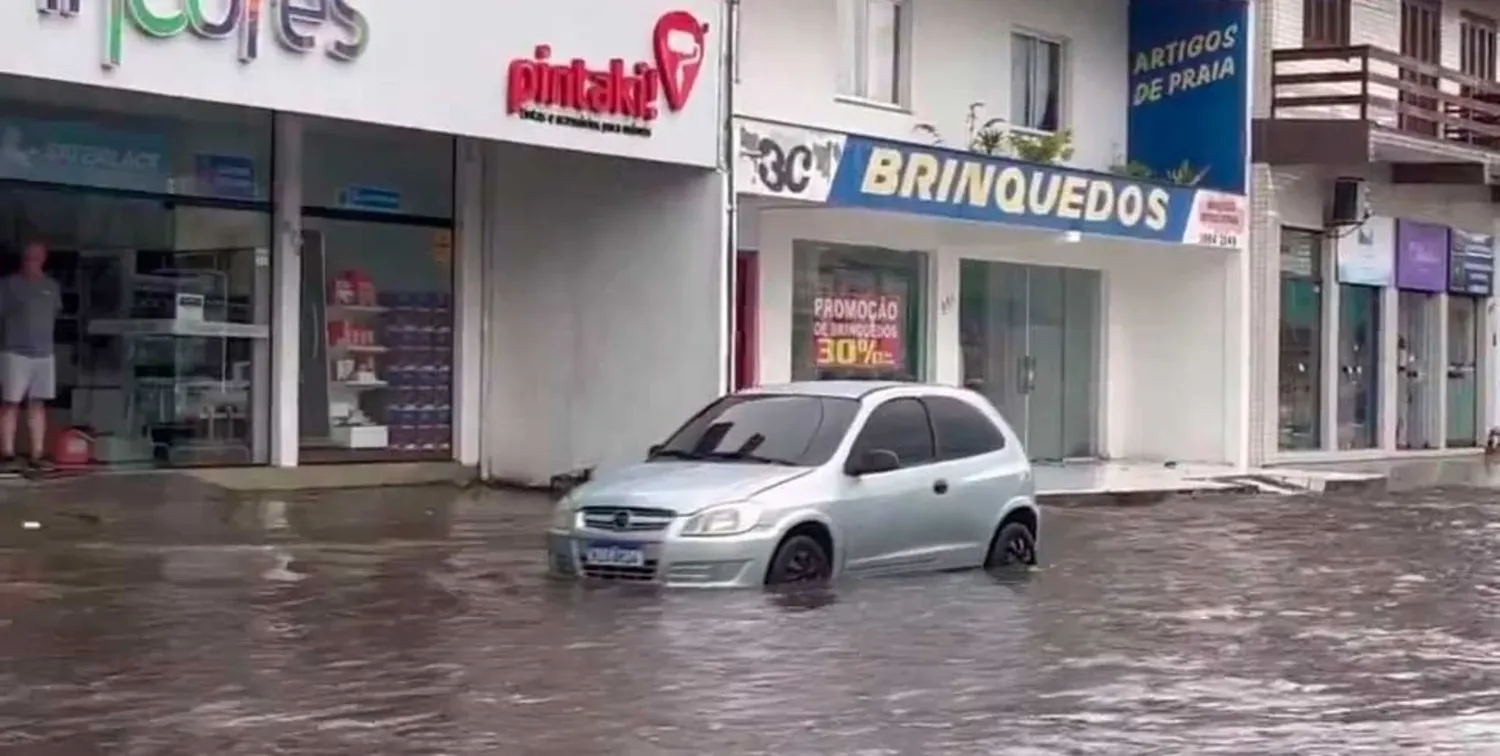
(295, 22)
(618, 98)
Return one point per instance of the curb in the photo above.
(1092, 499)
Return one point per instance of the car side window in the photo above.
(901, 426)
(961, 430)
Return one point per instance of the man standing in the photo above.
(29, 304)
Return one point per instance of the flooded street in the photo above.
(420, 622)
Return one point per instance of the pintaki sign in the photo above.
(617, 97)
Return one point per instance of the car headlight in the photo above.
(723, 520)
(563, 514)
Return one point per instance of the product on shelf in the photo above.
(352, 288)
(418, 330)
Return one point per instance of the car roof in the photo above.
(843, 389)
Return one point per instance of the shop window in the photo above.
(1325, 23)
(1035, 82)
(858, 313)
(377, 275)
(1299, 386)
(874, 38)
(161, 348)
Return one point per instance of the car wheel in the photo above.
(799, 560)
(1013, 546)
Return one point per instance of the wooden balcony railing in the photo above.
(1388, 90)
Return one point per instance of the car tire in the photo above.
(799, 560)
(1013, 547)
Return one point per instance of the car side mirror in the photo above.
(653, 451)
(872, 461)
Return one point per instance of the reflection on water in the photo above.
(419, 622)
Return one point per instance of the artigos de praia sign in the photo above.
(300, 26)
(614, 96)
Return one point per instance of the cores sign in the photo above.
(619, 97)
(296, 23)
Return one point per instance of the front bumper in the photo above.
(716, 562)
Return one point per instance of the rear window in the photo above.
(961, 429)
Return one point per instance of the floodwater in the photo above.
(419, 621)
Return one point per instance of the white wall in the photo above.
(1173, 373)
(788, 68)
(605, 321)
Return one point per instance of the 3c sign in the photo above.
(784, 170)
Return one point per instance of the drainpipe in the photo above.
(731, 234)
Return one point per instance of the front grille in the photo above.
(635, 520)
(637, 574)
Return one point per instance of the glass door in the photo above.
(1359, 367)
(1464, 348)
(1030, 343)
(992, 323)
(1416, 387)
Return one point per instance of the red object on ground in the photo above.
(72, 448)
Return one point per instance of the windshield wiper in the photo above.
(679, 454)
(744, 456)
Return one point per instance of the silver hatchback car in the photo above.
(809, 481)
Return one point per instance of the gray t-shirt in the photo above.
(28, 313)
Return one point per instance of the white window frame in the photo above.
(854, 75)
(1063, 78)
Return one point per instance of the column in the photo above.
(1390, 342)
(942, 326)
(1331, 362)
(469, 305)
(1437, 364)
(286, 291)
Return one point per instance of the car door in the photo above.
(980, 474)
(878, 514)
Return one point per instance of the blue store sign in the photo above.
(1471, 264)
(82, 154)
(882, 175)
(1189, 88)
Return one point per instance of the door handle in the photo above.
(1026, 367)
(940, 487)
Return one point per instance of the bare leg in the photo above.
(8, 414)
(36, 423)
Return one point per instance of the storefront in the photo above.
(1384, 326)
(347, 231)
(1105, 317)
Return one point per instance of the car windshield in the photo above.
(776, 429)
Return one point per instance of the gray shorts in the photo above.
(23, 377)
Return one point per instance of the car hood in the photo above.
(683, 487)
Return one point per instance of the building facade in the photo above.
(971, 193)
(1374, 208)
(347, 230)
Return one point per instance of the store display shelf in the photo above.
(358, 348)
(362, 384)
(357, 308)
(361, 436)
(184, 328)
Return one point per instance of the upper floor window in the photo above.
(1476, 46)
(1035, 82)
(1325, 23)
(874, 49)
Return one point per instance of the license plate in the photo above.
(614, 555)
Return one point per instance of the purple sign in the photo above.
(1421, 256)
